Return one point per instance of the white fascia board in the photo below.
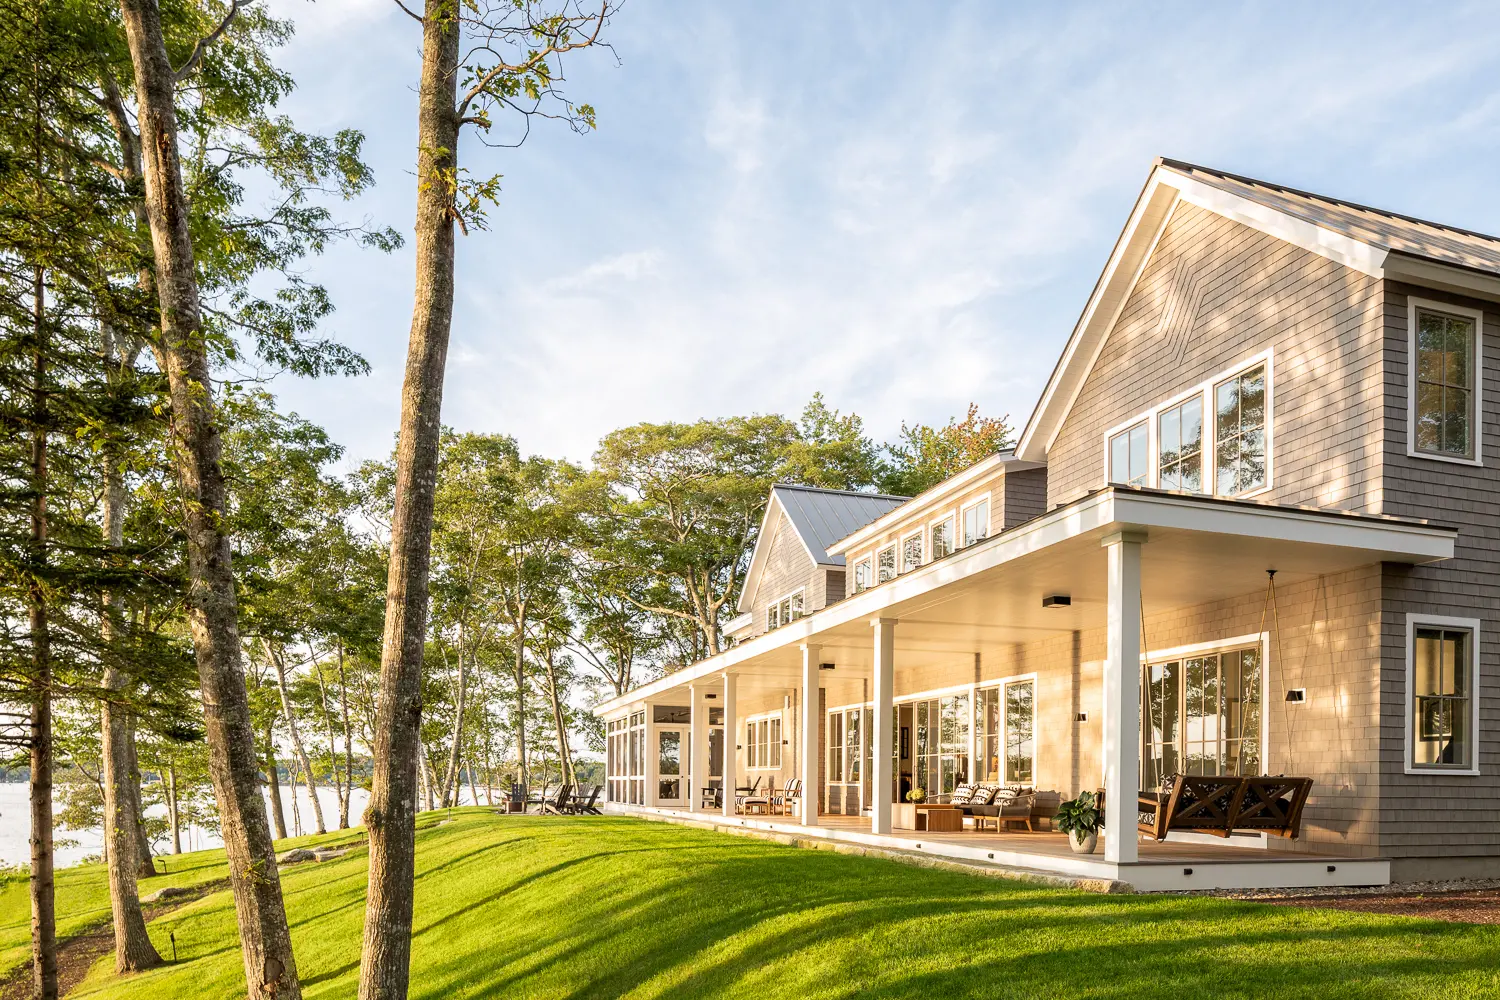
(1445, 277)
(1131, 252)
(1336, 247)
(929, 497)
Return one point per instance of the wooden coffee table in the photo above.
(939, 818)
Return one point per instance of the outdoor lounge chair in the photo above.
(713, 796)
(744, 793)
(585, 807)
(558, 805)
(1002, 805)
(781, 802)
(1224, 805)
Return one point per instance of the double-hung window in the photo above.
(763, 742)
(1441, 655)
(942, 538)
(862, 577)
(1179, 442)
(976, 522)
(1129, 461)
(911, 552)
(1240, 432)
(1445, 395)
(885, 564)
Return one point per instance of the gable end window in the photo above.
(1240, 432)
(1441, 710)
(1179, 437)
(1128, 458)
(1445, 351)
(785, 611)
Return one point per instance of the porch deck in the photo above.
(1177, 864)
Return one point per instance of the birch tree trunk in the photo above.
(348, 742)
(278, 660)
(450, 782)
(333, 754)
(265, 941)
(385, 963)
(174, 813)
(564, 753)
(520, 668)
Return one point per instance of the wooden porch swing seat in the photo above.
(1225, 805)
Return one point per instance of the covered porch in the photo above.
(1031, 659)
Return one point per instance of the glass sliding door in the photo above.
(1201, 715)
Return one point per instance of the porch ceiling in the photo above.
(1198, 550)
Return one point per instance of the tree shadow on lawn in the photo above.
(734, 924)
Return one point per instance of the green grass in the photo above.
(531, 907)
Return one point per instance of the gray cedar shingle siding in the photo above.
(1451, 815)
(1253, 292)
(1022, 495)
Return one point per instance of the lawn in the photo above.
(608, 907)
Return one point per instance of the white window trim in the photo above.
(894, 548)
(776, 604)
(920, 534)
(1219, 646)
(1442, 621)
(958, 522)
(1205, 389)
(750, 720)
(945, 517)
(868, 562)
(1477, 428)
(1036, 729)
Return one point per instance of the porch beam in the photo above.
(807, 734)
(885, 711)
(1122, 696)
(698, 755)
(731, 740)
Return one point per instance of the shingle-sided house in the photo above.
(1261, 380)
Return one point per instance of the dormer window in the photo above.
(911, 552)
(1129, 459)
(1445, 349)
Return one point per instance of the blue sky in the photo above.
(901, 206)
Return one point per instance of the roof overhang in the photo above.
(1199, 550)
(774, 509)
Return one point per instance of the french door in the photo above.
(1202, 715)
(672, 755)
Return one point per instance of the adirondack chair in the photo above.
(743, 793)
(584, 807)
(558, 805)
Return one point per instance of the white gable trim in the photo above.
(1134, 249)
(775, 510)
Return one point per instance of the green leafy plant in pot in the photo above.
(1080, 819)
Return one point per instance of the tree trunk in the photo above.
(564, 752)
(473, 790)
(426, 779)
(385, 962)
(450, 781)
(266, 944)
(295, 769)
(43, 889)
(145, 866)
(520, 665)
(348, 742)
(333, 753)
(273, 785)
(122, 829)
(278, 660)
(174, 814)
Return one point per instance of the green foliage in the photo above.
(1080, 815)
(924, 456)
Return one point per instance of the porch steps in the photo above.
(917, 859)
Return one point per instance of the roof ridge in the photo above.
(849, 493)
(1243, 179)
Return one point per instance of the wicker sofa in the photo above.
(1000, 804)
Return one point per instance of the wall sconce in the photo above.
(825, 666)
(1296, 696)
(710, 697)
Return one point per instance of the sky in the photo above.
(902, 206)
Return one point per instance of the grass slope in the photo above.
(585, 908)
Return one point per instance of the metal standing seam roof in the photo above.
(822, 517)
(1375, 227)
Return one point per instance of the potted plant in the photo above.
(905, 813)
(1080, 819)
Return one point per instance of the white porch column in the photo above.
(885, 712)
(1122, 696)
(731, 741)
(698, 751)
(807, 735)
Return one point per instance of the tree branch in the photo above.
(203, 43)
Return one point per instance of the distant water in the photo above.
(15, 824)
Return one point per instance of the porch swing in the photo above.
(1221, 804)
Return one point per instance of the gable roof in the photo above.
(1378, 243)
(820, 517)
